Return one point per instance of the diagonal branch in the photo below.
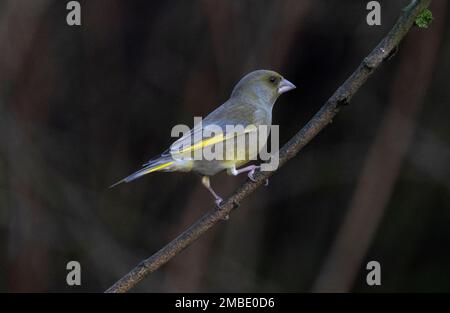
(342, 96)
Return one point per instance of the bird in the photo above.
(250, 104)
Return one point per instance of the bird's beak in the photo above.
(285, 86)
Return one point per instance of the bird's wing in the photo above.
(202, 136)
(230, 113)
(197, 139)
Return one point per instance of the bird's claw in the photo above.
(218, 202)
(251, 175)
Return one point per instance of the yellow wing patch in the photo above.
(213, 140)
(157, 168)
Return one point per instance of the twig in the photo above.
(342, 96)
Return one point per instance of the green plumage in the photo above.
(250, 103)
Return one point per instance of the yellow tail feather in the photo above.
(147, 170)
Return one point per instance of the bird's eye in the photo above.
(273, 79)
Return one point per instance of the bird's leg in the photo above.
(207, 184)
(251, 172)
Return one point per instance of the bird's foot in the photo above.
(218, 201)
(251, 174)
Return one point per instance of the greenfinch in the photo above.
(250, 104)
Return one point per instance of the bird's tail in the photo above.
(160, 164)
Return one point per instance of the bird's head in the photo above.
(263, 86)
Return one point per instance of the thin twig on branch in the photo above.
(342, 96)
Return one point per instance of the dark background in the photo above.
(83, 106)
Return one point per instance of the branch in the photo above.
(380, 172)
(342, 96)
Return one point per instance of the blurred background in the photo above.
(83, 106)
